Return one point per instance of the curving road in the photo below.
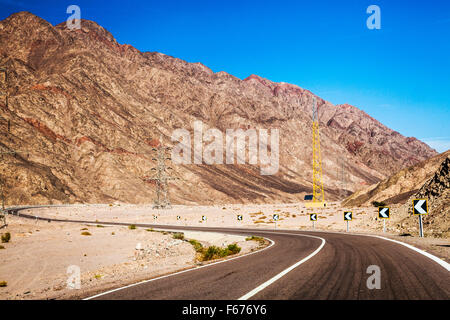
(322, 266)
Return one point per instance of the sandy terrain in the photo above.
(292, 216)
(106, 258)
(35, 262)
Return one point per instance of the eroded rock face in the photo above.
(400, 186)
(86, 112)
(437, 191)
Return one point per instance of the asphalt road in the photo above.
(337, 271)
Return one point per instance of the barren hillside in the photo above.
(86, 111)
(400, 186)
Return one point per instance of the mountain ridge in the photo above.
(87, 110)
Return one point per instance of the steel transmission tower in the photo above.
(342, 178)
(161, 177)
(4, 94)
(318, 194)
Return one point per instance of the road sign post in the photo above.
(313, 218)
(420, 226)
(420, 207)
(348, 216)
(384, 213)
(275, 219)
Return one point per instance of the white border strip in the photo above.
(180, 272)
(284, 272)
(426, 254)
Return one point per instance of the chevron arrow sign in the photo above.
(383, 213)
(239, 217)
(420, 206)
(348, 216)
(313, 217)
(276, 217)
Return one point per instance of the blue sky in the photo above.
(399, 74)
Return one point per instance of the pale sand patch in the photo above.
(293, 216)
(35, 262)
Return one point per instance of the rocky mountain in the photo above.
(429, 179)
(86, 112)
(437, 191)
(400, 186)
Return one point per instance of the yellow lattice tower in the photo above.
(318, 194)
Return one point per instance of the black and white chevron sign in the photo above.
(383, 212)
(420, 206)
(348, 216)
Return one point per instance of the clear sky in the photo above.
(399, 74)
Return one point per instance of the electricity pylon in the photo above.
(4, 85)
(342, 178)
(161, 177)
(318, 194)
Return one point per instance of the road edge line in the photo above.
(285, 271)
(179, 272)
(438, 260)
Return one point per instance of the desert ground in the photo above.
(35, 261)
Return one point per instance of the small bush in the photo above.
(98, 276)
(149, 230)
(179, 236)
(254, 238)
(84, 229)
(6, 237)
(2, 247)
(100, 226)
(85, 233)
(197, 245)
(214, 252)
(378, 204)
(132, 227)
(233, 248)
(3, 283)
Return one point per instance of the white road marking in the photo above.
(284, 272)
(180, 272)
(441, 262)
(426, 254)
